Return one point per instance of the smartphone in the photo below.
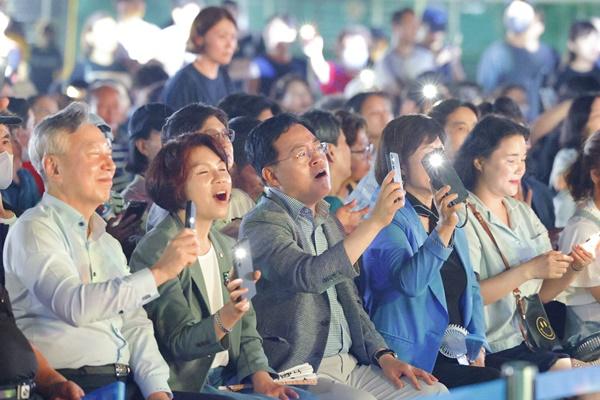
(442, 173)
(190, 215)
(136, 208)
(394, 162)
(591, 244)
(242, 263)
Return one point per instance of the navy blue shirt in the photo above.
(502, 64)
(188, 86)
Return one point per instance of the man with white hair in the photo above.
(73, 295)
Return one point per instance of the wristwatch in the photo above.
(379, 353)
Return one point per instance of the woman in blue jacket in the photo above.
(419, 279)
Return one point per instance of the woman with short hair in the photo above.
(205, 327)
(420, 280)
(213, 38)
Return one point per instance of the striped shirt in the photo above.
(120, 154)
(338, 340)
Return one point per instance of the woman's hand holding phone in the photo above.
(448, 214)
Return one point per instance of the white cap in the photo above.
(518, 16)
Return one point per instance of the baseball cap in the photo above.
(518, 16)
(151, 116)
(435, 18)
(7, 118)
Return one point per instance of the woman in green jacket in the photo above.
(206, 330)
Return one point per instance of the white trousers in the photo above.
(340, 377)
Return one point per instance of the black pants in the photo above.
(543, 359)
(91, 382)
(452, 374)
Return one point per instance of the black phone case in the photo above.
(446, 175)
(244, 268)
(190, 215)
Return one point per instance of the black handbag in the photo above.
(534, 324)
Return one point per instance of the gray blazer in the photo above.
(292, 309)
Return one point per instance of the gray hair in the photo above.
(49, 135)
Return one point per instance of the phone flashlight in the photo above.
(430, 91)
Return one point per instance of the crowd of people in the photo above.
(126, 186)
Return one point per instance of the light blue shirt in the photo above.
(74, 298)
(524, 239)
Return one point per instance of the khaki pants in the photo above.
(340, 377)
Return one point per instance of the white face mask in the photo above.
(6, 169)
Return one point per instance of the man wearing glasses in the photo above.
(306, 303)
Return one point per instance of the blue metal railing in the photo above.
(548, 386)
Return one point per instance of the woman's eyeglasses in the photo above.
(228, 134)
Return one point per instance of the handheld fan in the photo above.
(454, 343)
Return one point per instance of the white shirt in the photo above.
(209, 266)
(577, 231)
(74, 298)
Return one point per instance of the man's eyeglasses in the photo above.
(303, 154)
(228, 134)
(367, 151)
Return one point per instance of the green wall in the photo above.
(479, 22)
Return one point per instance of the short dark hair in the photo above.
(259, 145)
(482, 142)
(443, 109)
(351, 123)
(577, 30)
(399, 14)
(247, 105)
(572, 134)
(404, 135)
(204, 21)
(144, 120)
(579, 181)
(149, 74)
(507, 107)
(356, 102)
(242, 127)
(166, 176)
(20, 107)
(325, 126)
(190, 119)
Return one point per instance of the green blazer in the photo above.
(182, 323)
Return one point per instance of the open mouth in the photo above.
(321, 174)
(221, 196)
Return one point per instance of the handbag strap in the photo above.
(516, 292)
(486, 228)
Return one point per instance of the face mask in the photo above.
(6, 169)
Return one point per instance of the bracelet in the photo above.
(220, 324)
(575, 269)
